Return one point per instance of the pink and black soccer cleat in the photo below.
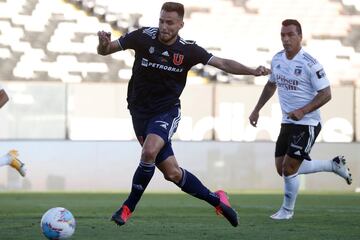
(121, 216)
(225, 208)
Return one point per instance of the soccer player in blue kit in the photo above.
(162, 61)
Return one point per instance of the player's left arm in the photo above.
(4, 98)
(320, 82)
(234, 67)
(323, 96)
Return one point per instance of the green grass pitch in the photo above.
(178, 216)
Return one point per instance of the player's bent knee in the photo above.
(173, 176)
(291, 166)
(288, 171)
(149, 155)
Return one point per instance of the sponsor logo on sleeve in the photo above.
(320, 73)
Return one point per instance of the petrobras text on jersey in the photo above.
(146, 63)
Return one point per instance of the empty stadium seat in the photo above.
(55, 33)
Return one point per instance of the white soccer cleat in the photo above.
(16, 163)
(339, 167)
(282, 214)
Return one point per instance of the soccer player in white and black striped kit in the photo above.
(302, 88)
(162, 61)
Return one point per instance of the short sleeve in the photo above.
(318, 77)
(199, 55)
(130, 40)
(272, 78)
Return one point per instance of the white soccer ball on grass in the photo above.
(58, 223)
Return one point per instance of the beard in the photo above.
(167, 38)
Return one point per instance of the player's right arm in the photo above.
(4, 98)
(267, 93)
(106, 46)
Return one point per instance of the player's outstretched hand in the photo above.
(104, 38)
(262, 71)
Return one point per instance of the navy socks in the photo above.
(188, 183)
(141, 179)
(192, 185)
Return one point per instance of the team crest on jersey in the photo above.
(178, 59)
(151, 50)
(297, 71)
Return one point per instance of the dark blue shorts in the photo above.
(163, 125)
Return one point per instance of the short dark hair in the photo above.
(174, 7)
(294, 22)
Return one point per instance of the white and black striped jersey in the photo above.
(298, 80)
(159, 71)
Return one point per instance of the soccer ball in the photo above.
(58, 223)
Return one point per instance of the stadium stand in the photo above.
(352, 4)
(56, 40)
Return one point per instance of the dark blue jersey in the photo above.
(159, 71)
